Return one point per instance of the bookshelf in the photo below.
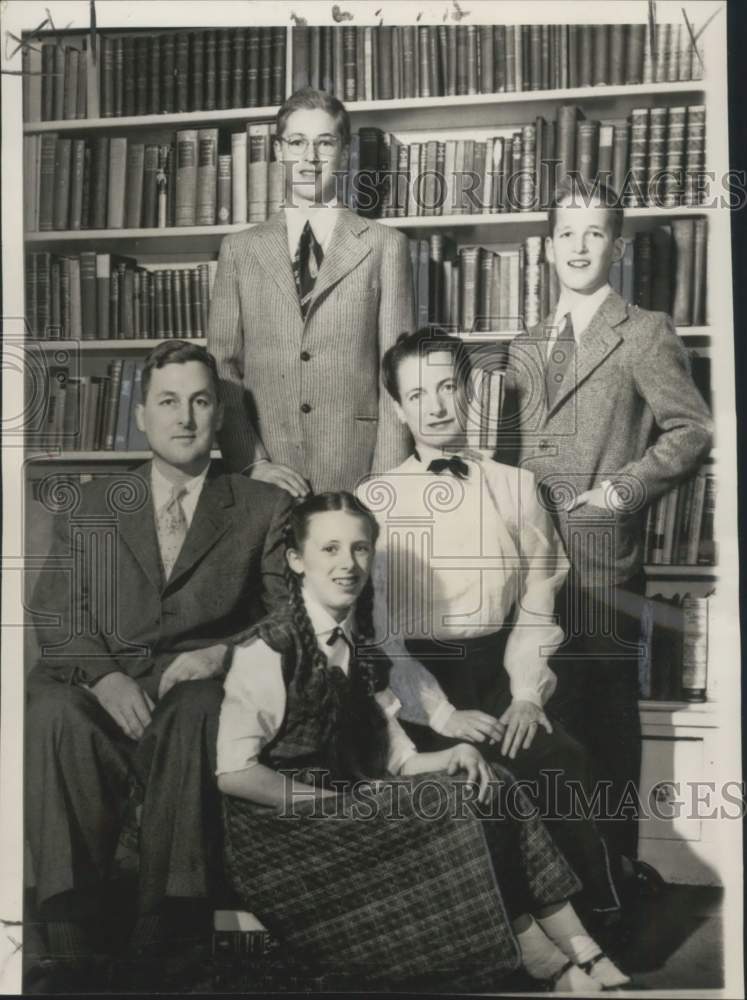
(665, 723)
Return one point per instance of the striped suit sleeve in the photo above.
(239, 442)
(396, 316)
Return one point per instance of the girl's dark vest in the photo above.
(332, 721)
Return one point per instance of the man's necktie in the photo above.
(306, 265)
(561, 356)
(454, 464)
(172, 529)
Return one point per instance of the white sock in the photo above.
(570, 935)
(539, 956)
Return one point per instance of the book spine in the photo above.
(683, 234)
(674, 179)
(181, 71)
(696, 518)
(47, 81)
(124, 405)
(43, 295)
(635, 190)
(695, 162)
(338, 62)
(134, 185)
(277, 79)
(150, 188)
(265, 66)
(468, 287)
(617, 54)
(300, 49)
(211, 71)
(700, 272)
(527, 187)
(585, 54)
(62, 169)
(535, 49)
(109, 421)
(695, 648)
(142, 69)
(600, 74)
(384, 39)
(186, 177)
(587, 147)
(78, 162)
(207, 176)
(258, 141)
(658, 179)
(154, 76)
(168, 73)
(239, 176)
(223, 67)
(129, 104)
(238, 69)
(197, 82)
(115, 215)
(634, 53)
(566, 140)
(224, 184)
(72, 59)
(315, 56)
(59, 82)
(103, 295)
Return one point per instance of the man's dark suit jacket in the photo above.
(102, 603)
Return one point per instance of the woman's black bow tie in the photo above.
(454, 464)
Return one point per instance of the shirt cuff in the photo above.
(438, 719)
(528, 694)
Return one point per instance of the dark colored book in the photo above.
(657, 153)
(674, 178)
(568, 117)
(142, 70)
(77, 171)
(424, 75)
(154, 76)
(409, 57)
(617, 54)
(300, 70)
(545, 48)
(194, 282)
(63, 154)
(573, 55)
(315, 57)
(683, 236)
(150, 187)
(535, 55)
(134, 185)
(634, 53)
(85, 209)
(642, 290)
(181, 69)
(384, 38)
(109, 415)
(434, 61)
(99, 181)
(277, 74)
(197, 82)
(115, 213)
(211, 71)
(43, 294)
(207, 176)
(472, 57)
(48, 79)
(72, 59)
(370, 182)
(587, 148)
(620, 146)
(661, 266)
(700, 279)
(129, 105)
(88, 293)
(238, 69)
(600, 74)
(510, 54)
(118, 44)
(695, 159)
(252, 68)
(499, 58)
(707, 545)
(59, 82)
(223, 65)
(468, 287)
(106, 55)
(47, 164)
(526, 57)
(585, 53)
(636, 189)
(168, 71)
(265, 67)
(103, 295)
(30, 293)
(338, 62)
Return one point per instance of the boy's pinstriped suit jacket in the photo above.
(628, 412)
(307, 393)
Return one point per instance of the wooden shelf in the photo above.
(685, 572)
(679, 713)
(109, 346)
(93, 456)
(415, 107)
(188, 240)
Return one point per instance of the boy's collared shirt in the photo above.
(323, 219)
(581, 308)
(455, 559)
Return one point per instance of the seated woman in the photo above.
(384, 879)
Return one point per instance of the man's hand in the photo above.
(464, 757)
(125, 701)
(196, 665)
(280, 475)
(521, 720)
(604, 496)
(475, 726)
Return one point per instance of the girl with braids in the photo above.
(389, 879)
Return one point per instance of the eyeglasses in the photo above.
(299, 144)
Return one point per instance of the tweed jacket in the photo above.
(306, 393)
(102, 603)
(628, 412)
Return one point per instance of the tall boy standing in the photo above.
(609, 420)
(303, 308)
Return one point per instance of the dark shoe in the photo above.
(646, 879)
(53, 976)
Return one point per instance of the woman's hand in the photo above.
(522, 719)
(464, 757)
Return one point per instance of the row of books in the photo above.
(114, 183)
(93, 412)
(673, 654)
(680, 525)
(657, 158)
(475, 288)
(164, 73)
(396, 62)
(101, 296)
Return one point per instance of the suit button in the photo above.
(544, 444)
(305, 356)
(305, 407)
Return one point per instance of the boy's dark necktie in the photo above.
(561, 356)
(306, 265)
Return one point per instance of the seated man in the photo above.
(149, 577)
(467, 569)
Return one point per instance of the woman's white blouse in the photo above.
(255, 697)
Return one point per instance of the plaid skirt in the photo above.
(397, 884)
